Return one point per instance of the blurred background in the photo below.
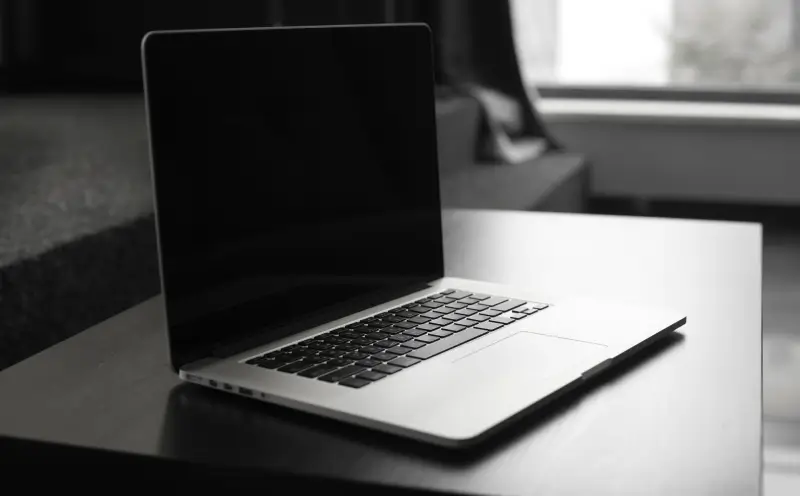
(669, 108)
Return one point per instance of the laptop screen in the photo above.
(295, 175)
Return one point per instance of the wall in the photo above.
(732, 156)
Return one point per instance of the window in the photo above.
(690, 44)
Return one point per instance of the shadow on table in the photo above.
(207, 426)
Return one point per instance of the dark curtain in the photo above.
(478, 48)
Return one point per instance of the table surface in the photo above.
(682, 418)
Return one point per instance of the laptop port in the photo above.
(227, 387)
(212, 383)
(245, 391)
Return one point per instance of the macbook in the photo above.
(300, 241)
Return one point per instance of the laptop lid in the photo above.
(295, 176)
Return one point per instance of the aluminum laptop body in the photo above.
(300, 241)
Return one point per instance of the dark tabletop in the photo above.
(682, 418)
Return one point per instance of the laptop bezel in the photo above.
(258, 336)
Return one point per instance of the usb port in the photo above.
(212, 383)
(245, 391)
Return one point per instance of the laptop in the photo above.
(300, 241)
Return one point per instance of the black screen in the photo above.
(295, 174)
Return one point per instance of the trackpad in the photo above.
(531, 355)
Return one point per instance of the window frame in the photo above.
(789, 95)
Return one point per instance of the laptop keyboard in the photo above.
(366, 351)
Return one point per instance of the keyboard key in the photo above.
(468, 301)
(285, 358)
(393, 330)
(362, 342)
(393, 320)
(296, 366)
(478, 317)
(502, 320)
(406, 325)
(444, 300)
(404, 362)
(439, 322)
(430, 315)
(383, 315)
(447, 291)
(354, 325)
(399, 350)
(466, 312)
(356, 356)
(509, 305)
(432, 304)
(419, 309)
(385, 343)
(539, 306)
(477, 307)
(530, 311)
(419, 320)
(457, 305)
(440, 333)
(426, 328)
(270, 363)
(342, 373)
(369, 363)
(427, 339)
(335, 340)
(308, 341)
(355, 382)
(400, 337)
(479, 297)
(488, 326)
(494, 300)
(518, 316)
(320, 346)
(387, 369)
(383, 357)
(459, 294)
(444, 310)
(339, 362)
(331, 353)
(350, 335)
(379, 324)
(453, 328)
(418, 332)
(318, 370)
(406, 315)
(491, 313)
(370, 349)
(345, 347)
(446, 344)
(369, 320)
(413, 344)
(370, 375)
(377, 336)
(452, 317)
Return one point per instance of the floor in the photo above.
(781, 317)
